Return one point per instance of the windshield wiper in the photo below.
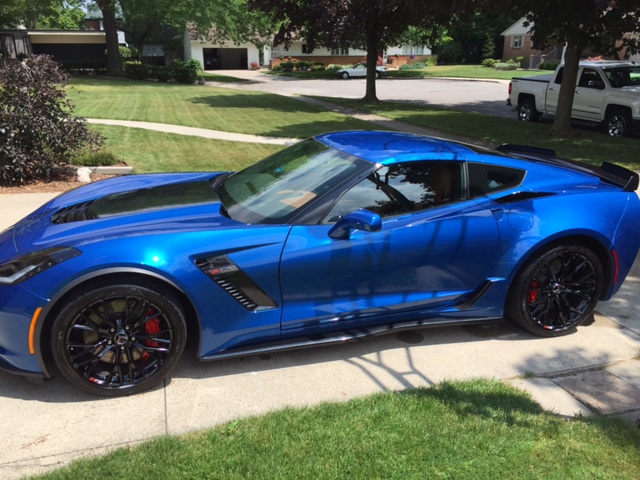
(217, 181)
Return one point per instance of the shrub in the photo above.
(506, 66)
(37, 128)
(489, 62)
(548, 65)
(450, 54)
(159, 72)
(286, 66)
(90, 158)
(413, 66)
(135, 70)
(183, 75)
(190, 64)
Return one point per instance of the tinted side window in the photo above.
(558, 79)
(484, 179)
(402, 188)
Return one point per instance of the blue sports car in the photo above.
(338, 237)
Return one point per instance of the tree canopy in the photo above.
(579, 24)
(372, 24)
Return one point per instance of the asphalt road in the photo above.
(482, 96)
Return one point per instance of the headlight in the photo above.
(23, 268)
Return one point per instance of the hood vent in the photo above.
(74, 213)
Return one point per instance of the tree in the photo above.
(67, 15)
(579, 24)
(37, 127)
(14, 13)
(372, 24)
(108, 9)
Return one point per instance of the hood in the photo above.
(124, 206)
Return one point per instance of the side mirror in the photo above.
(359, 220)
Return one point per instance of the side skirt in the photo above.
(337, 337)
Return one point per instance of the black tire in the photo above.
(377, 74)
(344, 75)
(527, 111)
(556, 292)
(618, 123)
(119, 339)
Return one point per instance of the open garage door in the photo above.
(225, 58)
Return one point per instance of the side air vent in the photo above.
(235, 282)
(74, 213)
(522, 196)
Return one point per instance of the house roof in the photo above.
(518, 28)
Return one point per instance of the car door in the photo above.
(589, 95)
(434, 248)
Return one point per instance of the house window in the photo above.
(517, 41)
(305, 49)
(340, 51)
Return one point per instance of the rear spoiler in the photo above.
(608, 172)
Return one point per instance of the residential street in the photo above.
(482, 96)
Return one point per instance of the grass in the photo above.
(204, 107)
(451, 71)
(149, 151)
(478, 429)
(587, 145)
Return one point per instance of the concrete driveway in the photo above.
(594, 370)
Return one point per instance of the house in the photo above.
(395, 56)
(219, 56)
(14, 44)
(518, 43)
(230, 56)
(71, 48)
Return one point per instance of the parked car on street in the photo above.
(339, 237)
(359, 70)
(607, 92)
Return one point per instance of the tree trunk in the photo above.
(562, 124)
(114, 66)
(372, 60)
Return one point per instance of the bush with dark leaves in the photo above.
(37, 128)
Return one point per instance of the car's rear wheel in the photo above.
(618, 123)
(377, 74)
(527, 111)
(557, 291)
(119, 339)
(344, 75)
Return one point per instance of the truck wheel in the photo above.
(527, 111)
(618, 123)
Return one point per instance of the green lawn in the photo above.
(149, 151)
(451, 71)
(476, 430)
(204, 107)
(589, 145)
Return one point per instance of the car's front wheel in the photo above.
(344, 75)
(557, 291)
(119, 339)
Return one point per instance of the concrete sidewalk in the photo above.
(596, 370)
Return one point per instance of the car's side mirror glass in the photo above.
(359, 220)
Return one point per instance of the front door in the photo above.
(434, 247)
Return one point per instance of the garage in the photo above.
(225, 58)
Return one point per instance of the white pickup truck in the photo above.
(607, 92)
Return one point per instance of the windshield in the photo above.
(278, 187)
(623, 76)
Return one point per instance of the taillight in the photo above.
(510, 85)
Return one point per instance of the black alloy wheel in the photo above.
(556, 292)
(117, 340)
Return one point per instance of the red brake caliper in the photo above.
(151, 327)
(533, 291)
